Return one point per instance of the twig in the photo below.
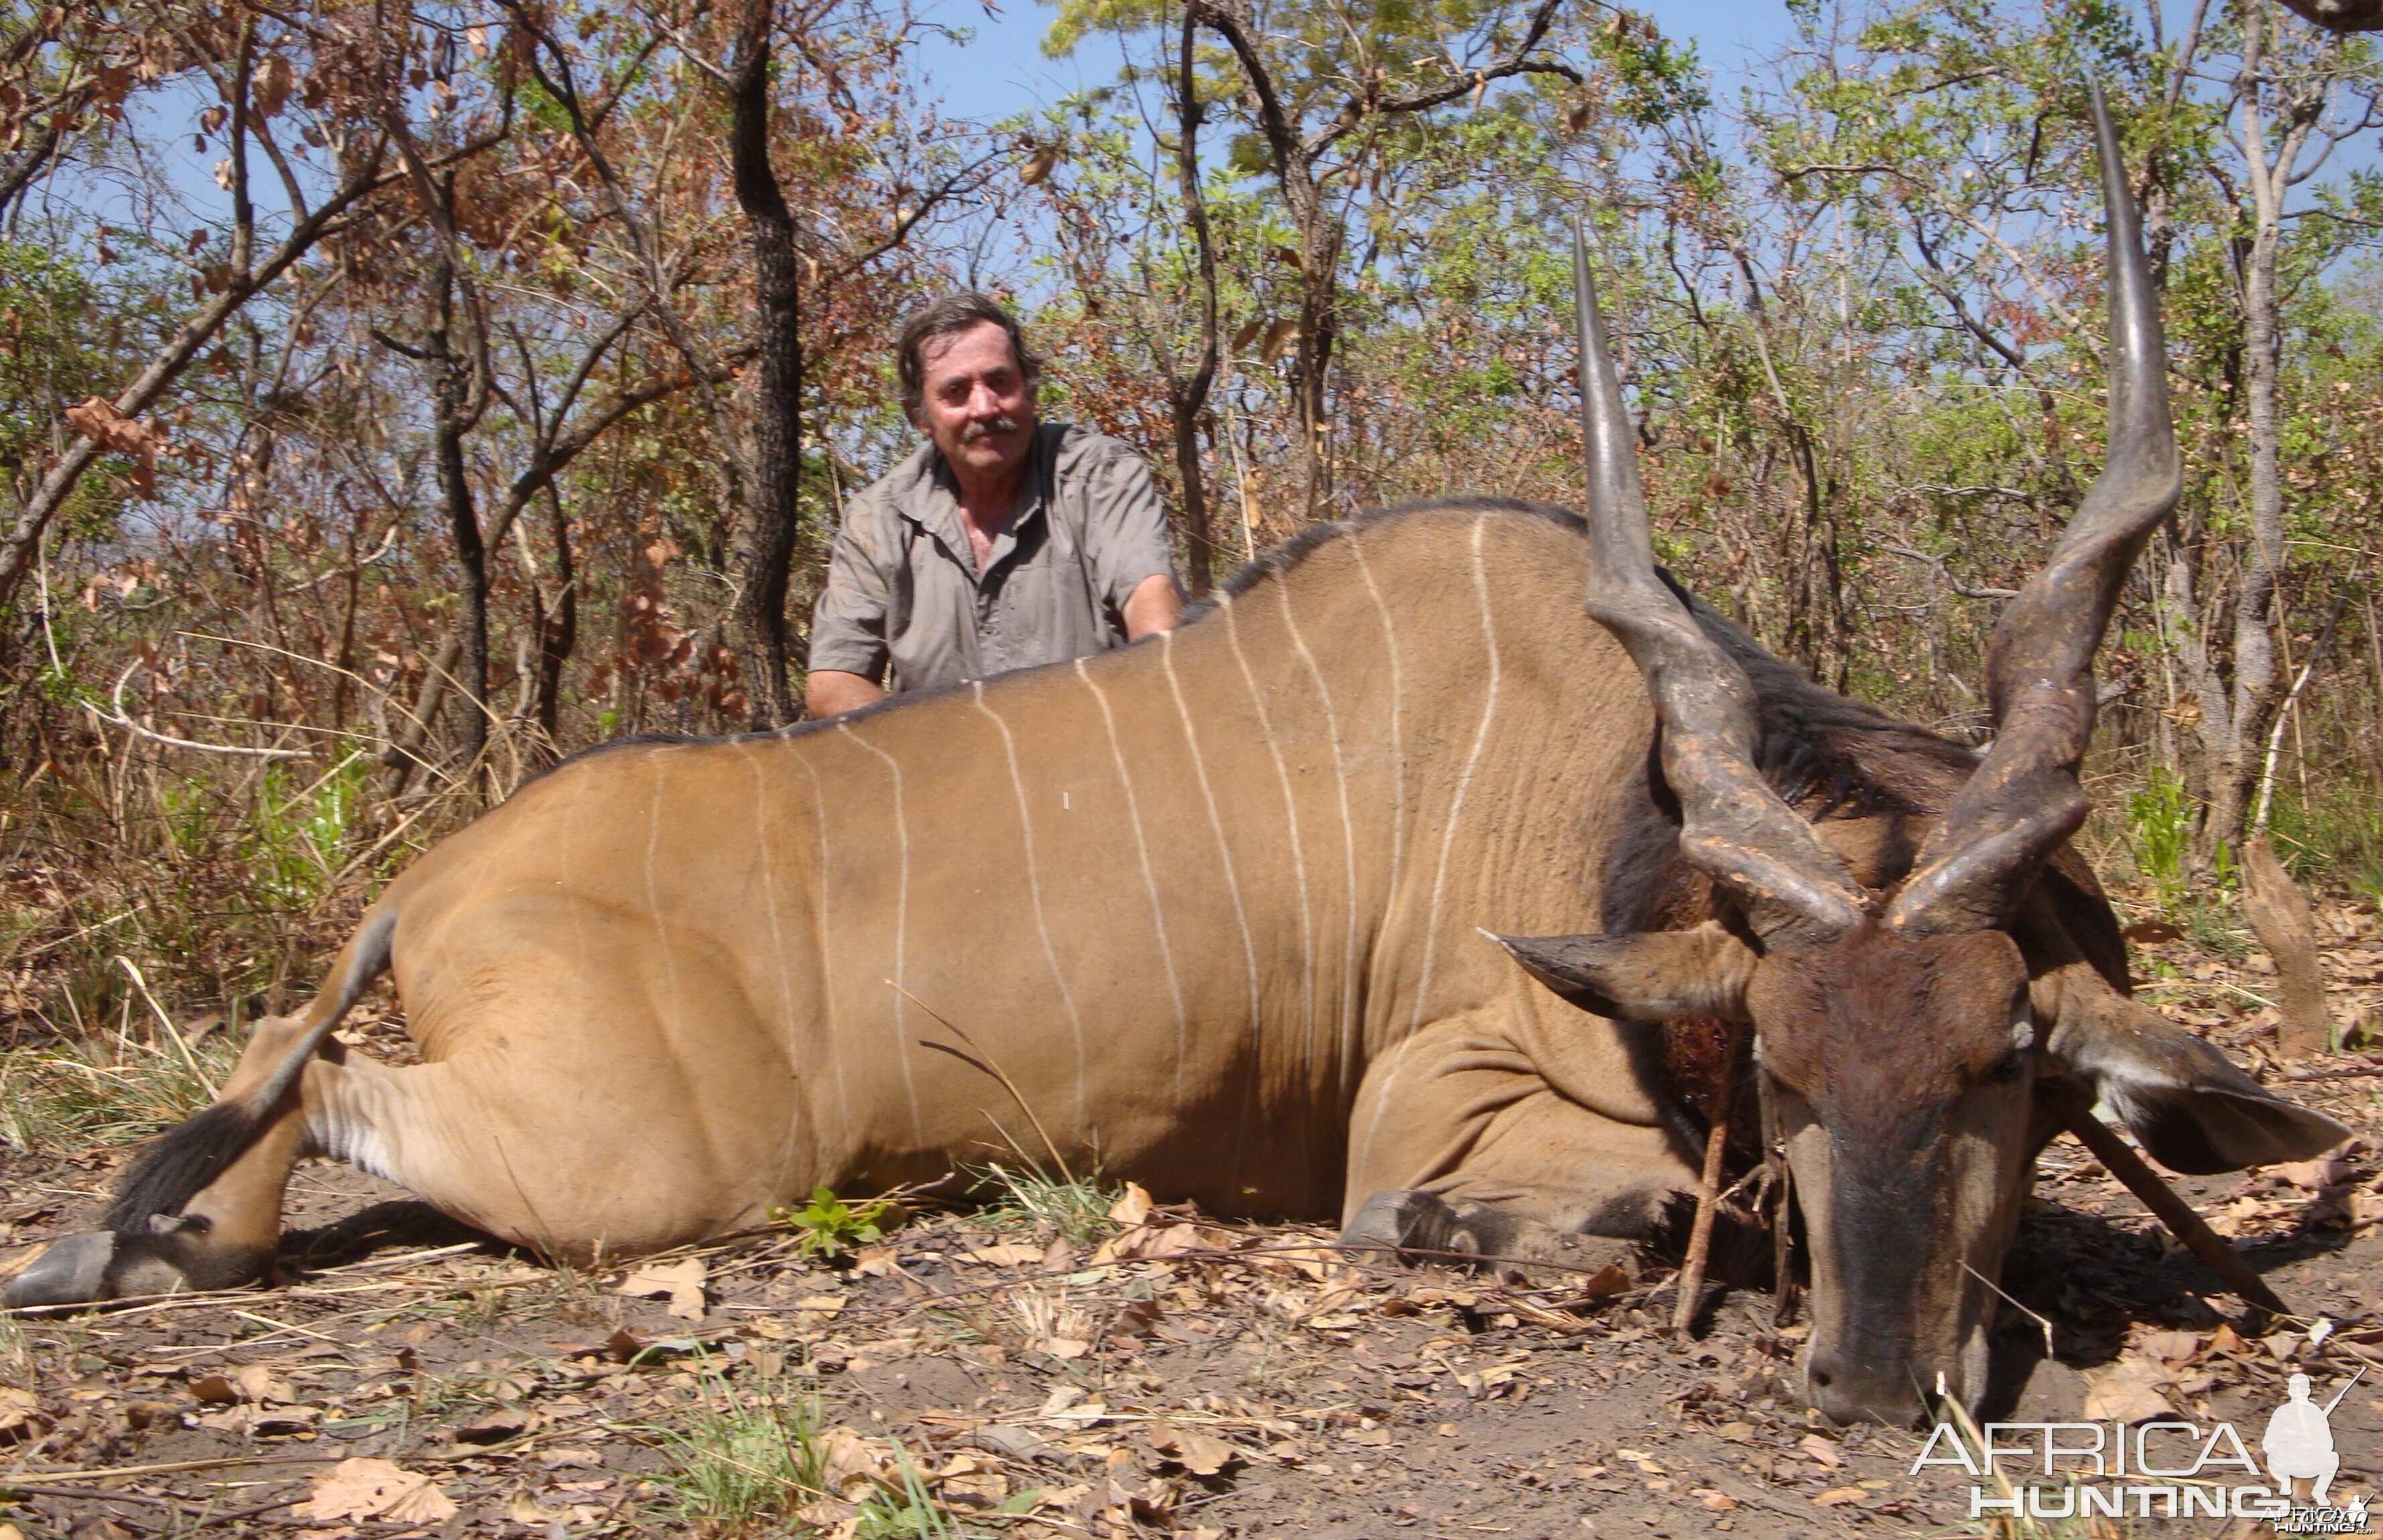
(2174, 1212)
(988, 1064)
(190, 1060)
(2014, 1304)
(1964, 590)
(180, 1466)
(1692, 1266)
(129, 725)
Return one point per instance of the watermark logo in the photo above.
(2157, 1469)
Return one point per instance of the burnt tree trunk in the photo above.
(765, 543)
(1187, 398)
(454, 409)
(558, 628)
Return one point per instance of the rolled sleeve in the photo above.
(1125, 528)
(848, 625)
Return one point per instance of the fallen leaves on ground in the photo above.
(682, 1281)
(376, 1489)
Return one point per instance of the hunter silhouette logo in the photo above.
(2299, 1440)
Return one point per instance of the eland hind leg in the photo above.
(202, 1206)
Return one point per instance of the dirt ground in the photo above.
(969, 1376)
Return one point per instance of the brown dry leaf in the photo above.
(1279, 336)
(1009, 1253)
(2314, 1174)
(1613, 1280)
(1132, 1206)
(2226, 1339)
(493, 1425)
(1241, 340)
(20, 1415)
(376, 1489)
(1837, 1496)
(835, 1521)
(1172, 1241)
(850, 1463)
(1822, 1450)
(98, 421)
(256, 1382)
(2171, 1347)
(214, 1390)
(272, 86)
(682, 1281)
(1196, 1451)
(2129, 1393)
(875, 1262)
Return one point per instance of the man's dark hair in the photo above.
(954, 314)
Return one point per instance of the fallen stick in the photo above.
(2121, 1162)
(1692, 1266)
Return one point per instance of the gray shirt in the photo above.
(903, 588)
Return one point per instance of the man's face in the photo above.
(977, 405)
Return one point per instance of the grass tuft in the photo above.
(104, 1088)
(1026, 1197)
(746, 1462)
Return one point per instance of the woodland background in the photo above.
(393, 400)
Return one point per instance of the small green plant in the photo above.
(2159, 824)
(745, 1462)
(829, 1225)
(1025, 1196)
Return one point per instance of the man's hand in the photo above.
(1154, 605)
(832, 692)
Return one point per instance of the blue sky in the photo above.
(1002, 69)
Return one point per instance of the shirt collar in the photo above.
(942, 512)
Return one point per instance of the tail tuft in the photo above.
(180, 1166)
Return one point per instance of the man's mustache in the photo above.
(976, 430)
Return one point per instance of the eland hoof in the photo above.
(124, 1264)
(71, 1272)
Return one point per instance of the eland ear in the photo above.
(2184, 1100)
(1643, 975)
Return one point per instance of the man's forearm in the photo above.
(1154, 605)
(830, 692)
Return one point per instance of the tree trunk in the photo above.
(2270, 173)
(765, 544)
(1186, 398)
(451, 405)
(558, 628)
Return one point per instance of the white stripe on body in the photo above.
(834, 1037)
(1034, 896)
(1149, 879)
(653, 893)
(901, 933)
(746, 747)
(1398, 715)
(1350, 993)
(1225, 858)
(1447, 842)
(1290, 816)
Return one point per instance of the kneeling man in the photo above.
(1001, 544)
